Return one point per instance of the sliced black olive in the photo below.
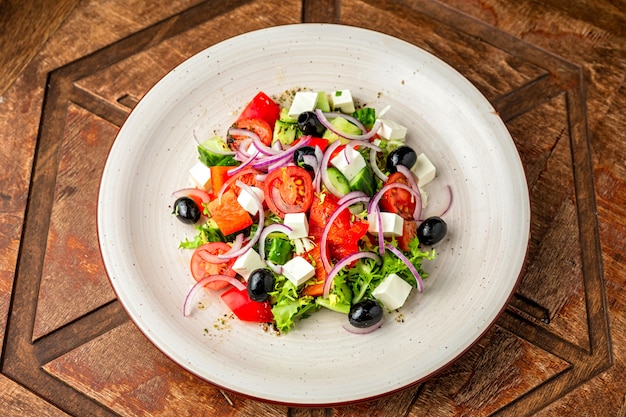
(298, 157)
(309, 124)
(432, 230)
(365, 313)
(186, 210)
(260, 284)
(402, 155)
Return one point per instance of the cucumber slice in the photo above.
(364, 181)
(338, 180)
(343, 125)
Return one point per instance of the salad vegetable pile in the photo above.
(314, 205)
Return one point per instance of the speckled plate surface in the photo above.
(318, 363)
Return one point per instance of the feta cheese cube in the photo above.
(392, 291)
(392, 224)
(352, 168)
(391, 130)
(245, 264)
(302, 101)
(342, 100)
(298, 223)
(298, 270)
(201, 176)
(424, 170)
(248, 202)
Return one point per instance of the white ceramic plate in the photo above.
(318, 363)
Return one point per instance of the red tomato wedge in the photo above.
(259, 126)
(288, 190)
(344, 234)
(314, 257)
(320, 142)
(409, 231)
(397, 200)
(246, 309)
(201, 268)
(228, 213)
(261, 107)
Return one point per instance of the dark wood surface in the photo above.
(554, 70)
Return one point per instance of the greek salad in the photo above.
(307, 203)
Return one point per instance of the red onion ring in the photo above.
(284, 155)
(409, 265)
(257, 234)
(206, 280)
(375, 167)
(234, 178)
(276, 227)
(317, 181)
(192, 192)
(324, 169)
(362, 330)
(409, 176)
(235, 247)
(418, 203)
(350, 196)
(277, 269)
(344, 262)
(243, 166)
(331, 219)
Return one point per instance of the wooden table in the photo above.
(554, 70)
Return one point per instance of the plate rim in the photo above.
(136, 323)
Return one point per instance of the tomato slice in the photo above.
(288, 190)
(247, 176)
(246, 309)
(345, 233)
(261, 107)
(397, 200)
(228, 213)
(258, 126)
(409, 231)
(200, 268)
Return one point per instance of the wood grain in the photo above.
(553, 70)
(24, 28)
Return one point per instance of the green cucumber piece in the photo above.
(364, 181)
(338, 180)
(343, 125)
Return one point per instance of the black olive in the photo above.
(432, 230)
(309, 124)
(187, 210)
(260, 284)
(365, 313)
(299, 154)
(402, 155)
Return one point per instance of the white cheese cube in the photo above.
(201, 176)
(302, 101)
(392, 291)
(392, 224)
(391, 130)
(245, 264)
(298, 270)
(342, 100)
(248, 202)
(353, 167)
(424, 170)
(298, 223)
